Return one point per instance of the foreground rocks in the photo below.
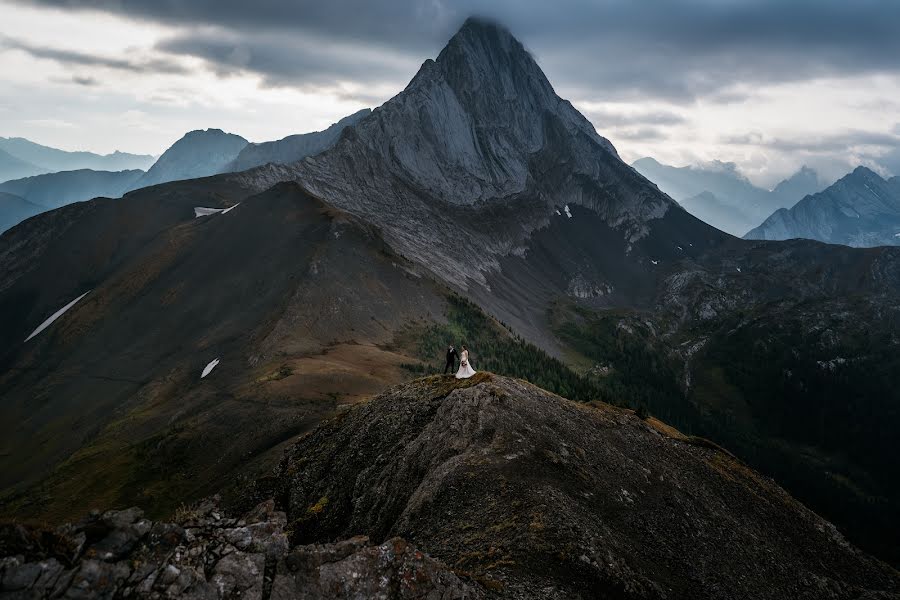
(119, 554)
(511, 491)
(535, 496)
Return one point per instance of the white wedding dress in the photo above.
(465, 369)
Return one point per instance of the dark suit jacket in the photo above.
(452, 355)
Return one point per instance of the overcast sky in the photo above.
(767, 84)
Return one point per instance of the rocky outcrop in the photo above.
(206, 554)
(540, 497)
(861, 210)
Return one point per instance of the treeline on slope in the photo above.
(825, 420)
(492, 347)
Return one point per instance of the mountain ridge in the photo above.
(53, 159)
(860, 209)
(198, 153)
(293, 147)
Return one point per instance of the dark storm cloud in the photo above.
(282, 59)
(614, 49)
(71, 57)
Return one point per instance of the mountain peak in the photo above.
(484, 58)
(866, 172)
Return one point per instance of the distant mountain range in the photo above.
(12, 167)
(198, 154)
(14, 209)
(719, 195)
(861, 209)
(52, 190)
(44, 159)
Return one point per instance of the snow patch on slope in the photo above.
(208, 368)
(56, 315)
(204, 211)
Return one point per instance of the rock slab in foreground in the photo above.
(119, 554)
(536, 496)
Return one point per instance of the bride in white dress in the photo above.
(465, 368)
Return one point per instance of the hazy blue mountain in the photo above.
(198, 154)
(798, 186)
(294, 147)
(861, 209)
(14, 210)
(724, 198)
(12, 167)
(53, 190)
(49, 159)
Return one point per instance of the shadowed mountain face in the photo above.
(476, 178)
(197, 154)
(279, 278)
(861, 209)
(294, 147)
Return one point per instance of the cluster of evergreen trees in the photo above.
(493, 348)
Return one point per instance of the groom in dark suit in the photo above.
(452, 357)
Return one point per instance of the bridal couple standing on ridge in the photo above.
(465, 368)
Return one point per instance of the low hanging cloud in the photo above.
(75, 58)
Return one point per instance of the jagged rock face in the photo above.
(538, 496)
(481, 129)
(861, 210)
(197, 154)
(206, 554)
(294, 147)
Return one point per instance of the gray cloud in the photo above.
(282, 59)
(72, 57)
(823, 144)
(615, 49)
(85, 81)
(639, 134)
(609, 118)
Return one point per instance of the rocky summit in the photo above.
(535, 496)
